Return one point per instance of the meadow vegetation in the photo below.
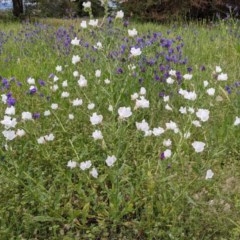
(120, 130)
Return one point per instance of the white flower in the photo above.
(190, 96)
(222, 77)
(31, 81)
(167, 143)
(49, 137)
(85, 165)
(209, 174)
(47, 113)
(96, 119)
(9, 122)
(70, 116)
(65, 83)
(54, 87)
(143, 91)
(167, 153)
(55, 78)
(142, 103)
(103, 2)
(4, 98)
(83, 24)
(205, 83)
(75, 59)
(87, 4)
(91, 106)
(182, 91)
(75, 41)
(191, 110)
(71, 164)
(10, 110)
(20, 132)
(82, 82)
(203, 114)
(59, 68)
(134, 96)
(167, 107)
(65, 95)
(107, 81)
(187, 135)
(147, 133)
(132, 33)
(157, 131)
(93, 23)
(41, 140)
(198, 146)
(26, 116)
(172, 73)
(98, 45)
(94, 172)
(75, 73)
(54, 106)
(77, 102)
(187, 76)
(97, 134)
(170, 80)
(218, 69)
(196, 123)
(211, 91)
(120, 14)
(131, 67)
(110, 108)
(98, 73)
(219, 98)
(165, 98)
(124, 112)
(237, 121)
(172, 126)
(142, 126)
(111, 160)
(135, 51)
(9, 134)
(183, 110)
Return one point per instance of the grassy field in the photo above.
(115, 134)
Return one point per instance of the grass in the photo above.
(145, 194)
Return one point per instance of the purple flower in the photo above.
(119, 71)
(41, 82)
(36, 115)
(51, 75)
(19, 83)
(32, 90)
(162, 156)
(169, 166)
(157, 78)
(202, 68)
(5, 83)
(228, 89)
(126, 23)
(110, 20)
(161, 94)
(10, 100)
(161, 67)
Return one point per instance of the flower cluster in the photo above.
(106, 99)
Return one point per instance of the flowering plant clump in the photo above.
(118, 132)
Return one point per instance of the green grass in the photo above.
(141, 196)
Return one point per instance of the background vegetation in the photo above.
(144, 10)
